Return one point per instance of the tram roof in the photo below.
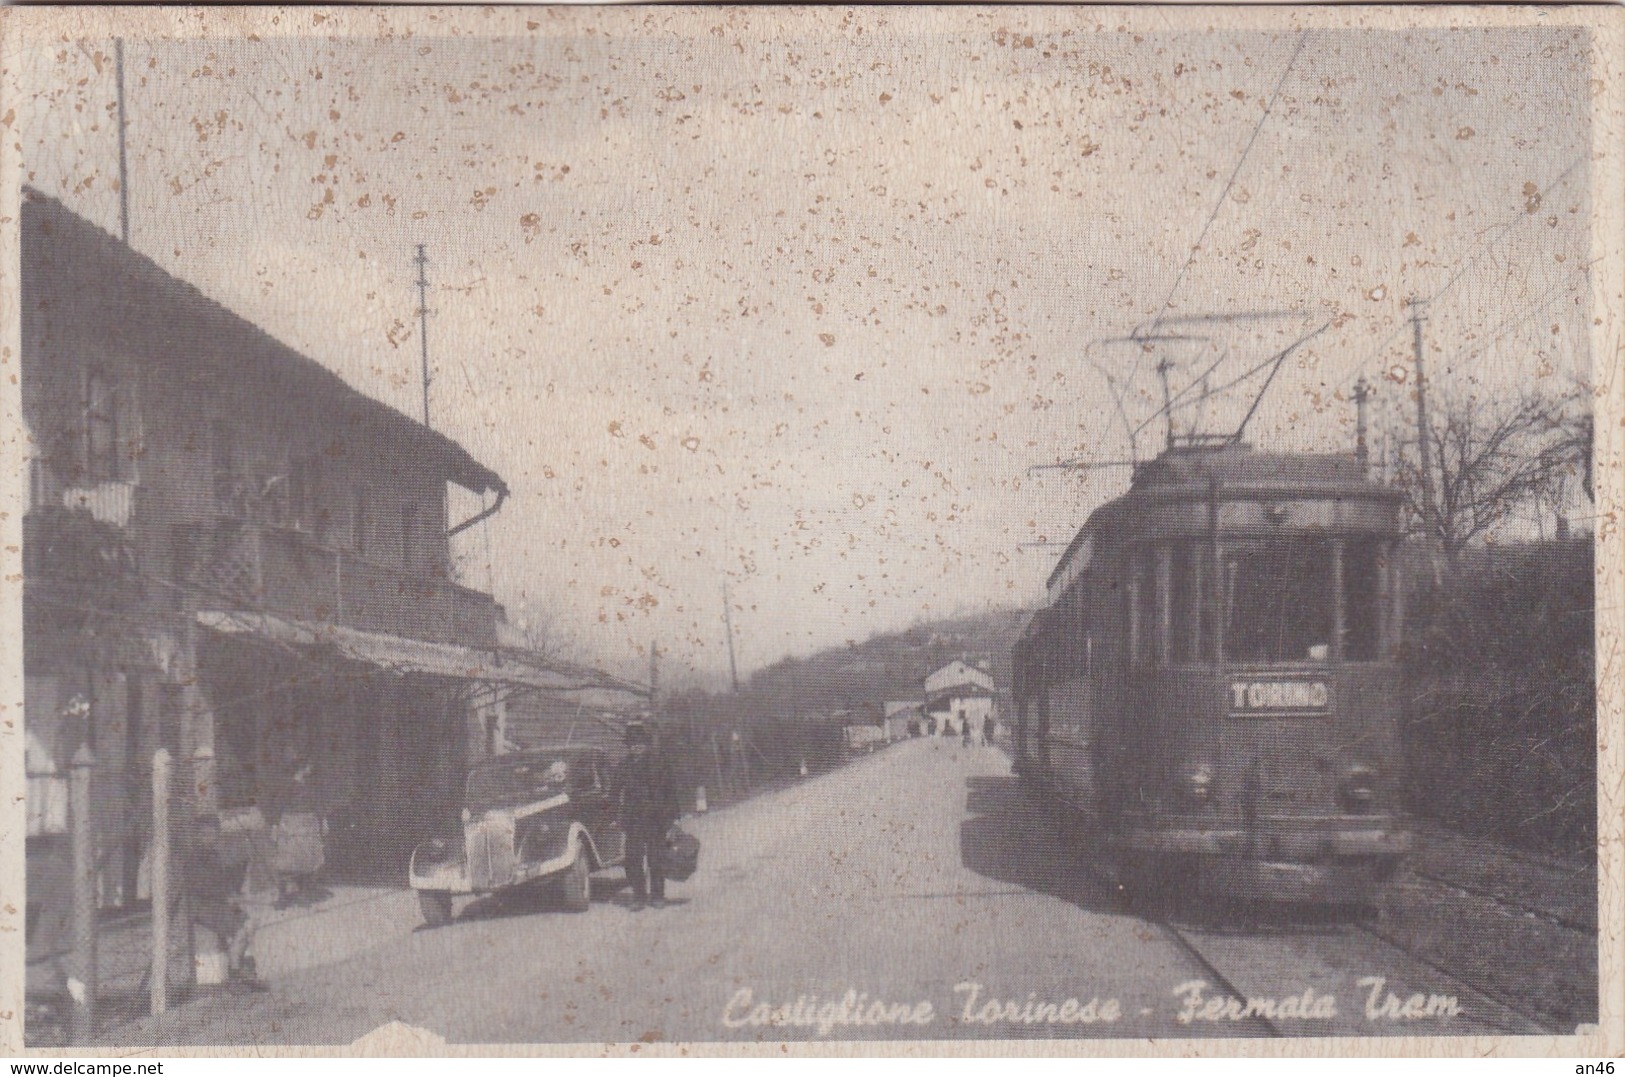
(1235, 467)
(1239, 464)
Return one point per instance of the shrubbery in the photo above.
(1501, 722)
(726, 745)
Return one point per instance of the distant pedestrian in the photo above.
(988, 726)
(214, 892)
(646, 795)
(964, 732)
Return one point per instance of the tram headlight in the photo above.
(1199, 783)
(1358, 790)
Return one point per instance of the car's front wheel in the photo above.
(578, 883)
(436, 905)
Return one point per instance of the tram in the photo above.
(1212, 690)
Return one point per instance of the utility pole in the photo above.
(123, 158)
(423, 326)
(1163, 367)
(1422, 430)
(728, 620)
(654, 673)
(1362, 393)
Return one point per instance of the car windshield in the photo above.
(508, 783)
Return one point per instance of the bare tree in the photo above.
(1492, 455)
(1571, 444)
(547, 640)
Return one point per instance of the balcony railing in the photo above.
(285, 572)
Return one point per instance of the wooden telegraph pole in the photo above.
(654, 674)
(1429, 521)
(728, 621)
(1163, 367)
(1362, 393)
(423, 326)
(123, 154)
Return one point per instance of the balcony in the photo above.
(77, 569)
(281, 571)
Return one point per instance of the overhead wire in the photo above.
(1229, 183)
(1484, 245)
(1201, 237)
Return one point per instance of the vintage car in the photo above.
(542, 814)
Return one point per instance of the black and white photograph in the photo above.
(739, 529)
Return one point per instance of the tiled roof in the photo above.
(133, 294)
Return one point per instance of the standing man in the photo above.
(987, 731)
(647, 797)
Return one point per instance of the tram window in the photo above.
(1143, 596)
(1278, 601)
(1362, 599)
(1192, 626)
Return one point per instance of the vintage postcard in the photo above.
(808, 530)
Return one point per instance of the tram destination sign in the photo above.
(1278, 696)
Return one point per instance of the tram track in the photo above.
(1500, 897)
(1340, 955)
(1542, 1022)
(1270, 959)
(1220, 980)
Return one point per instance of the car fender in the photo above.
(559, 852)
(436, 865)
(579, 834)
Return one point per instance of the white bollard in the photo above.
(82, 980)
(160, 881)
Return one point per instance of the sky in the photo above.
(790, 302)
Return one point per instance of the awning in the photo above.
(400, 654)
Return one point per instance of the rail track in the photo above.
(1251, 963)
(1542, 1022)
(1500, 897)
(1248, 957)
(1259, 1021)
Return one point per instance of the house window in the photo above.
(101, 428)
(39, 484)
(305, 496)
(223, 458)
(408, 525)
(360, 520)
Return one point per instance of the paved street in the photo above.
(902, 878)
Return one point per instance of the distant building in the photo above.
(957, 693)
(904, 718)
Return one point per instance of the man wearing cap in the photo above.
(647, 797)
